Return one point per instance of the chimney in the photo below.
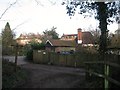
(79, 36)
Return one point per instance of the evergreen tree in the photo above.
(7, 39)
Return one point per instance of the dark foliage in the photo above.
(91, 7)
(10, 78)
(29, 54)
(38, 46)
(103, 11)
(50, 34)
(33, 46)
(7, 40)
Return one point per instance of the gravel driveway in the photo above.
(46, 76)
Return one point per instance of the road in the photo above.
(49, 76)
(46, 76)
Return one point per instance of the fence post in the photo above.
(106, 75)
(66, 60)
(49, 58)
(75, 60)
(16, 55)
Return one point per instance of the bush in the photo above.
(8, 51)
(21, 51)
(33, 46)
(38, 46)
(29, 54)
(10, 78)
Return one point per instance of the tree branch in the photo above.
(53, 3)
(8, 9)
(19, 25)
(39, 3)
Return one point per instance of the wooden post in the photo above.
(106, 71)
(75, 60)
(66, 60)
(16, 55)
(106, 74)
(48, 57)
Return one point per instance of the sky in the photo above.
(30, 16)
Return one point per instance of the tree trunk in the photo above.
(102, 12)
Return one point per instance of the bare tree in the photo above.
(19, 25)
(39, 3)
(8, 8)
(53, 3)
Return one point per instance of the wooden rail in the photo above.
(103, 76)
(106, 77)
(103, 62)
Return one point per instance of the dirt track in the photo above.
(46, 76)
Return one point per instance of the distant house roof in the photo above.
(61, 43)
(29, 36)
(87, 37)
(69, 34)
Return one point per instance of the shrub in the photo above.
(38, 46)
(10, 78)
(29, 54)
(33, 46)
(8, 51)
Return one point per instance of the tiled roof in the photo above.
(29, 36)
(87, 38)
(70, 35)
(54, 42)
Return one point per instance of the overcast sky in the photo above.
(36, 18)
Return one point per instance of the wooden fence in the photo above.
(73, 60)
(108, 69)
(105, 69)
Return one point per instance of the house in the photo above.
(69, 37)
(84, 38)
(60, 45)
(70, 42)
(24, 39)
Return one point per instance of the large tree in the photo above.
(7, 38)
(50, 34)
(103, 11)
